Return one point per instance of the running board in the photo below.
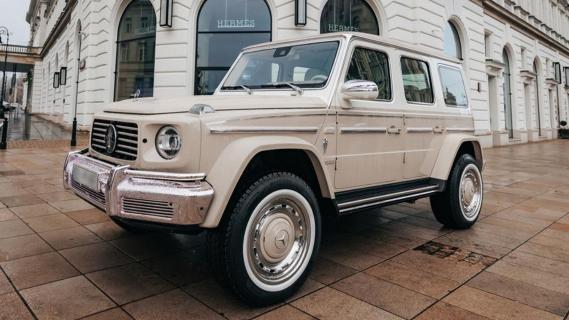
(369, 198)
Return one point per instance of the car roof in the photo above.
(366, 37)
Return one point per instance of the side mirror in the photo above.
(360, 90)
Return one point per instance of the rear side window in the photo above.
(453, 87)
(373, 66)
(417, 81)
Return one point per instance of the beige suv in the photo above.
(298, 130)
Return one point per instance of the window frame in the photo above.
(351, 56)
(430, 81)
(119, 42)
(198, 69)
(367, 4)
(460, 71)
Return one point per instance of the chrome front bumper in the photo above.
(166, 198)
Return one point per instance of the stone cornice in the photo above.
(494, 67)
(528, 76)
(499, 12)
(59, 26)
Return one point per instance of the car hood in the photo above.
(149, 106)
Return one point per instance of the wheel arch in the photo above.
(243, 156)
(453, 147)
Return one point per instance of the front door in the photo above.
(370, 133)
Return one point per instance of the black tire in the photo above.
(128, 226)
(447, 206)
(227, 244)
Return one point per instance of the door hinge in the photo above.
(404, 158)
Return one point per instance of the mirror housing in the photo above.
(359, 90)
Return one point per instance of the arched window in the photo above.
(537, 96)
(452, 45)
(508, 94)
(224, 28)
(136, 44)
(348, 15)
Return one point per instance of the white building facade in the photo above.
(516, 52)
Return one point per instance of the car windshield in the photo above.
(293, 67)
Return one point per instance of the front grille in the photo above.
(98, 198)
(127, 139)
(147, 207)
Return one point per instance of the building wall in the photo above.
(414, 21)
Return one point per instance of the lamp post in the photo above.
(3, 144)
(74, 128)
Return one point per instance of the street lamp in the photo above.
(74, 126)
(4, 31)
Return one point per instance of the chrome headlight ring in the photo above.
(168, 142)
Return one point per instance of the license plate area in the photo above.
(85, 177)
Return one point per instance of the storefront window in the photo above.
(136, 44)
(224, 28)
(348, 15)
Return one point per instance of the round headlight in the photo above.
(168, 142)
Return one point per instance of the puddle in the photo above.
(444, 251)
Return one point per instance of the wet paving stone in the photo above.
(68, 260)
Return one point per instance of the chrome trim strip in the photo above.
(386, 196)
(217, 130)
(460, 130)
(165, 176)
(419, 130)
(402, 198)
(363, 130)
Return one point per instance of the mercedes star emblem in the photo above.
(111, 139)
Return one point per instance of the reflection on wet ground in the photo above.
(23, 126)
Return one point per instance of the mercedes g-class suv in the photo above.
(333, 124)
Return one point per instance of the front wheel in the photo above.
(459, 206)
(266, 246)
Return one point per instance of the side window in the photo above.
(373, 66)
(417, 81)
(453, 87)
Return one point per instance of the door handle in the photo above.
(438, 129)
(394, 130)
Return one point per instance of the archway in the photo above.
(507, 86)
(136, 45)
(349, 15)
(224, 28)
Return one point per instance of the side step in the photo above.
(368, 198)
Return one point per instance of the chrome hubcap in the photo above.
(471, 192)
(279, 240)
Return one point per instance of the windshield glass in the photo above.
(300, 66)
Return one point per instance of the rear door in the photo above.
(422, 115)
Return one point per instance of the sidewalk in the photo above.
(62, 258)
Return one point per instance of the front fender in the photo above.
(234, 159)
(449, 151)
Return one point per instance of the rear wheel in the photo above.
(459, 206)
(265, 248)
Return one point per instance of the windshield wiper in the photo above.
(295, 87)
(240, 87)
(247, 89)
(291, 85)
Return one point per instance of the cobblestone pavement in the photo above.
(62, 259)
